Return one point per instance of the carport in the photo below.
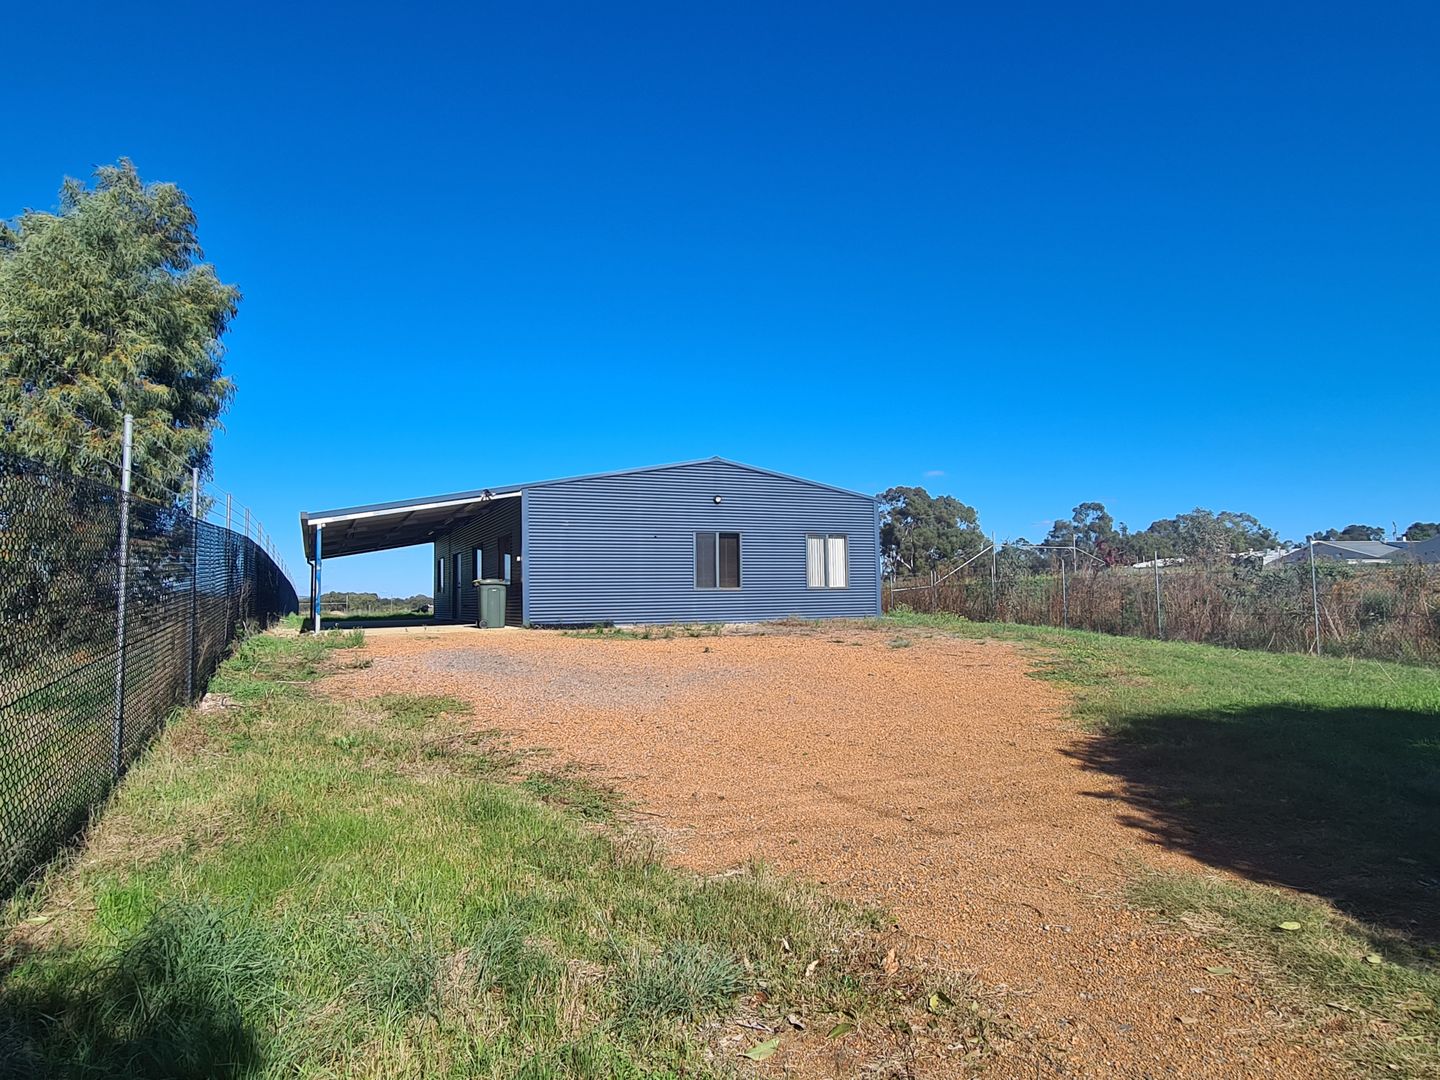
(359, 530)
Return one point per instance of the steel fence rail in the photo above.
(114, 610)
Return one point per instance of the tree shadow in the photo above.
(168, 1001)
(1342, 803)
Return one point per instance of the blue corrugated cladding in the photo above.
(622, 548)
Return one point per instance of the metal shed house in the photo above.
(700, 541)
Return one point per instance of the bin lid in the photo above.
(491, 581)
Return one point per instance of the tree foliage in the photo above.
(107, 308)
(1353, 532)
(1201, 534)
(374, 602)
(1204, 534)
(920, 532)
(1091, 529)
(1422, 530)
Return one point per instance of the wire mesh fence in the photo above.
(89, 669)
(1385, 611)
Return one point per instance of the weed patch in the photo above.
(649, 633)
(571, 788)
(684, 981)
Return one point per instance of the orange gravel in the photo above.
(930, 778)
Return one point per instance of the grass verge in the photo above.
(1317, 779)
(292, 885)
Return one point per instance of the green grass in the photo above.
(1316, 779)
(292, 885)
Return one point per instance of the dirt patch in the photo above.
(932, 779)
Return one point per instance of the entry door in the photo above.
(455, 592)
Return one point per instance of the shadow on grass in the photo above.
(167, 1001)
(1342, 803)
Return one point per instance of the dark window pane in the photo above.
(705, 560)
(729, 560)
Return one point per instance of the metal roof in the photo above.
(355, 530)
(1368, 549)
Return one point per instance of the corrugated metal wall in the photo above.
(621, 548)
(501, 519)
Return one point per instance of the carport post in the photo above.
(315, 592)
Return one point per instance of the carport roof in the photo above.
(354, 530)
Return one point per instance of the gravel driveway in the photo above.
(926, 773)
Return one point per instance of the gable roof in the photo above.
(1364, 549)
(382, 526)
(1425, 550)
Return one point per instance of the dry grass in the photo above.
(1378, 612)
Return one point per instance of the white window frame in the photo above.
(739, 560)
(825, 568)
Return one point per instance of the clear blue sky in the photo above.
(1025, 254)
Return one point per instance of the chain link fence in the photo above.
(90, 670)
(1383, 612)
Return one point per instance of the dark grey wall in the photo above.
(502, 518)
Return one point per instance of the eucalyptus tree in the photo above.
(107, 307)
(920, 532)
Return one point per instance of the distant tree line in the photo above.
(374, 603)
(921, 532)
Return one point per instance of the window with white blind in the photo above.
(827, 561)
(717, 560)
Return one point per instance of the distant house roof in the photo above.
(1363, 549)
(1426, 551)
(1347, 551)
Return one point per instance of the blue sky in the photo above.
(1029, 255)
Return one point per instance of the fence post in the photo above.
(1315, 596)
(1159, 601)
(118, 747)
(1064, 596)
(194, 579)
(994, 579)
(244, 570)
(229, 563)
